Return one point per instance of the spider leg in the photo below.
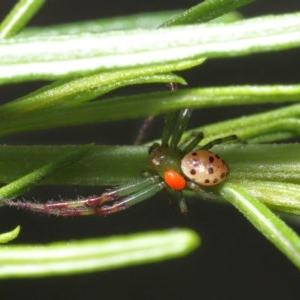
(128, 201)
(180, 200)
(149, 120)
(198, 189)
(142, 131)
(180, 126)
(172, 86)
(182, 203)
(225, 139)
(170, 121)
(192, 143)
(135, 192)
(194, 186)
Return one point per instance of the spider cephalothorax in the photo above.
(172, 165)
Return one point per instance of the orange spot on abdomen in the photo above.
(174, 180)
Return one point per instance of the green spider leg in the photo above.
(175, 127)
(149, 120)
(218, 141)
(192, 142)
(178, 197)
(117, 200)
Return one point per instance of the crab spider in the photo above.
(172, 165)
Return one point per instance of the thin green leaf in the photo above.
(101, 90)
(92, 255)
(56, 57)
(93, 86)
(122, 108)
(249, 128)
(273, 125)
(92, 169)
(8, 236)
(20, 185)
(274, 229)
(140, 20)
(19, 16)
(206, 11)
(273, 137)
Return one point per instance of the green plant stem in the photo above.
(19, 16)
(101, 167)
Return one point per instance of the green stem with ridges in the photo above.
(56, 57)
(273, 228)
(93, 255)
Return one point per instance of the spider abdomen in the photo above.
(204, 167)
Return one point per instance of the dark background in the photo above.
(234, 262)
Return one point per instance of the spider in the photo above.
(172, 165)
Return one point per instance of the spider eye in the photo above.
(174, 180)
